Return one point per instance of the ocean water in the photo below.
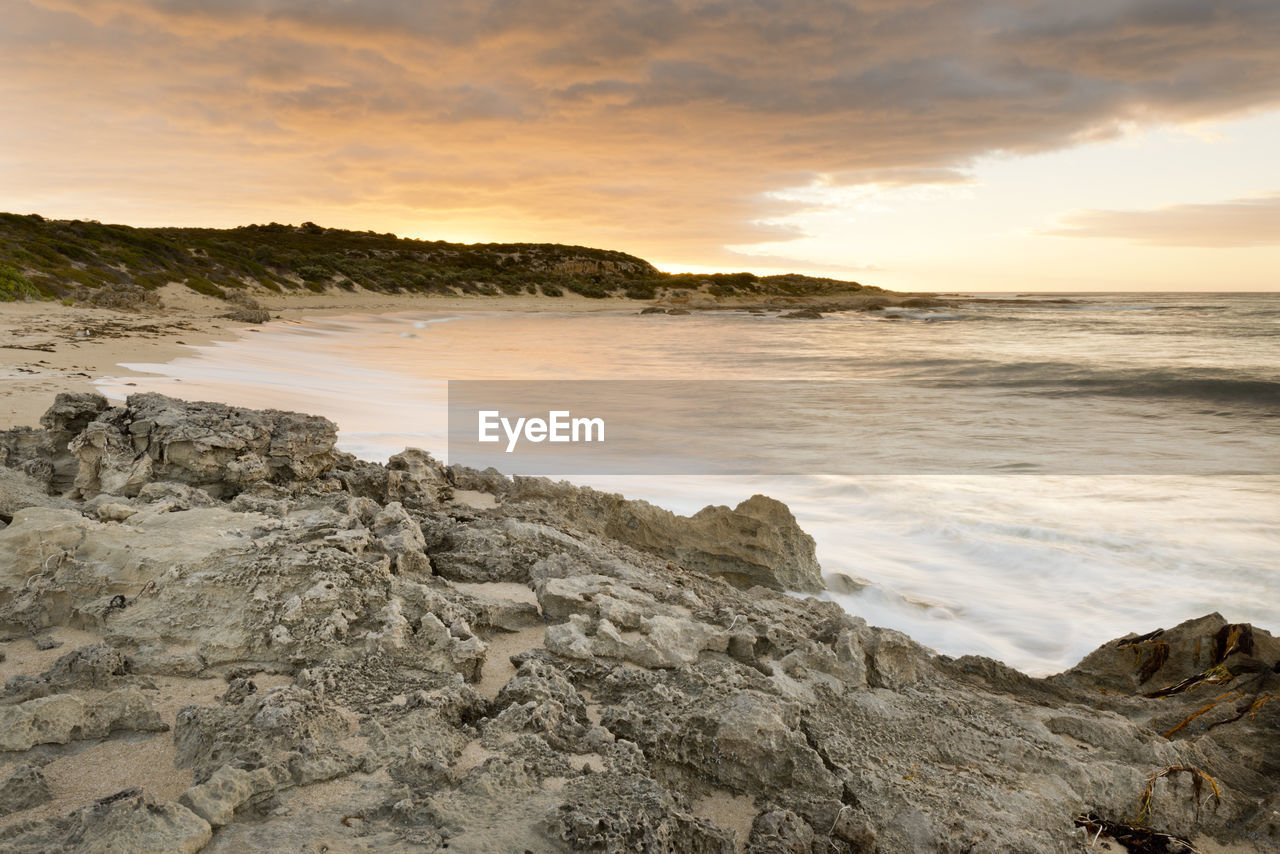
(1035, 568)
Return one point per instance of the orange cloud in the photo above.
(1241, 222)
(657, 126)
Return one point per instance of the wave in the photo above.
(1222, 390)
(1059, 380)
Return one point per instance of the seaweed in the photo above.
(1125, 643)
(1233, 638)
(1217, 701)
(1198, 780)
(1152, 664)
(1138, 840)
(1215, 675)
(1251, 709)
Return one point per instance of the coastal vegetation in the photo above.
(91, 261)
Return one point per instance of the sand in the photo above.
(83, 771)
(46, 347)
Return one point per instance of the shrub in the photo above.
(201, 285)
(15, 286)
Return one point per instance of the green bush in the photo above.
(15, 286)
(56, 257)
(201, 285)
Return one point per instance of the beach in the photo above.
(44, 348)
(723, 428)
(230, 629)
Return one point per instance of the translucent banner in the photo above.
(841, 427)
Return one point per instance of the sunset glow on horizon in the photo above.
(966, 145)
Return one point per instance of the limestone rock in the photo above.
(263, 729)
(780, 832)
(222, 449)
(415, 479)
(124, 822)
(364, 625)
(63, 717)
(227, 789)
(23, 788)
(619, 812)
(659, 642)
(19, 491)
(115, 512)
(249, 315)
(756, 543)
(540, 699)
(95, 666)
(44, 455)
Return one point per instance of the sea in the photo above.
(1129, 477)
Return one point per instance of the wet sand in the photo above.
(47, 347)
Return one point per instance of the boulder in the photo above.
(416, 479)
(780, 832)
(43, 454)
(660, 641)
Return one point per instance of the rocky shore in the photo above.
(221, 634)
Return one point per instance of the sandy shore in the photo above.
(46, 347)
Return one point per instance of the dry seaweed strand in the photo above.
(1138, 840)
(1151, 665)
(1250, 707)
(1216, 675)
(1251, 710)
(1198, 779)
(1217, 701)
(1233, 638)
(1229, 640)
(1125, 643)
(1157, 657)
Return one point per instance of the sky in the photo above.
(965, 145)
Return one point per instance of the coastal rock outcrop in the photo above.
(756, 543)
(221, 449)
(310, 652)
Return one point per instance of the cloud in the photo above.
(1236, 223)
(659, 126)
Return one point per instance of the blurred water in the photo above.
(1033, 569)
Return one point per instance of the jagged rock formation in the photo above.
(221, 449)
(332, 653)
